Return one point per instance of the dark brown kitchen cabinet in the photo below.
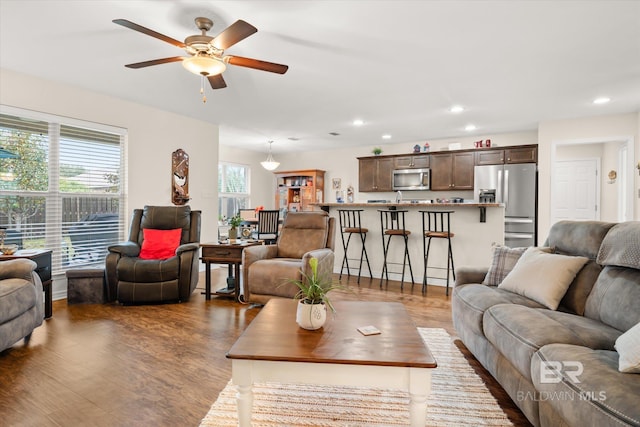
(528, 154)
(452, 171)
(411, 161)
(375, 174)
(522, 154)
(490, 157)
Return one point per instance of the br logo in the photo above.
(552, 372)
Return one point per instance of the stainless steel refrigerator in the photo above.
(515, 185)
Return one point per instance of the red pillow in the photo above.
(159, 244)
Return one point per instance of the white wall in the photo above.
(602, 128)
(152, 136)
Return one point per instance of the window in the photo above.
(233, 189)
(61, 186)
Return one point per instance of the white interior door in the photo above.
(575, 190)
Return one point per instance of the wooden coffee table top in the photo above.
(274, 335)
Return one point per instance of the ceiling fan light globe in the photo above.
(204, 65)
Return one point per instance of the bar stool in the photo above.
(392, 224)
(437, 224)
(350, 224)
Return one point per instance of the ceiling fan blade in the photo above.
(147, 31)
(217, 82)
(256, 64)
(154, 62)
(237, 31)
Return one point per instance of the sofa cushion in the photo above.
(542, 276)
(582, 238)
(518, 332)
(264, 273)
(575, 299)
(18, 296)
(138, 270)
(166, 218)
(614, 298)
(628, 347)
(476, 299)
(621, 246)
(302, 232)
(602, 397)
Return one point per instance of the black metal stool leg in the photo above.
(426, 257)
(385, 271)
(406, 249)
(366, 257)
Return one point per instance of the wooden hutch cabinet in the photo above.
(296, 190)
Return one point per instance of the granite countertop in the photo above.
(409, 204)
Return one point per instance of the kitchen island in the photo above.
(475, 225)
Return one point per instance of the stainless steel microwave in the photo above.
(411, 179)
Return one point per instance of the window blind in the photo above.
(65, 189)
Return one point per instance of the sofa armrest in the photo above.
(130, 249)
(325, 262)
(20, 268)
(466, 275)
(187, 247)
(252, 254)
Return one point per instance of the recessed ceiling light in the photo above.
(601, 100)
(469, 128)
(456, 109)
(358, 122)
(386, 136)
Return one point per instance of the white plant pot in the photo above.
(311, 316)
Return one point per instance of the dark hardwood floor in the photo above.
(160, 365)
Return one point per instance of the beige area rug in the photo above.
(458, 398)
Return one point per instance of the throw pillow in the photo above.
(628, 348)
(543, 277)
(159, 244)
(504, 259)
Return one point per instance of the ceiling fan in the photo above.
(206, 53)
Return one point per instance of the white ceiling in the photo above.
(397, 65)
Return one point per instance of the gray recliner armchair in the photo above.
(267, 269)
(21, 307)
(131, 279)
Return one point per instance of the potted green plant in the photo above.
(312, 298)
(377, 151)
(234, 222)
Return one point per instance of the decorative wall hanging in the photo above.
(179, 177)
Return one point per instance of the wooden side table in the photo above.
(42, 257)
(224, 253)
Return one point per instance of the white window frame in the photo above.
(221, 194)
(53, 223)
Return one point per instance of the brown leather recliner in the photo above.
(131, 279)
(267, 269)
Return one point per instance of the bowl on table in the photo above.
(8, 249)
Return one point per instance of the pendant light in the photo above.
(270, 164)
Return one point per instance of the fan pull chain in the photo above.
(204, 97)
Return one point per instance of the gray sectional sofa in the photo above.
(21, 306)
(560, 365)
